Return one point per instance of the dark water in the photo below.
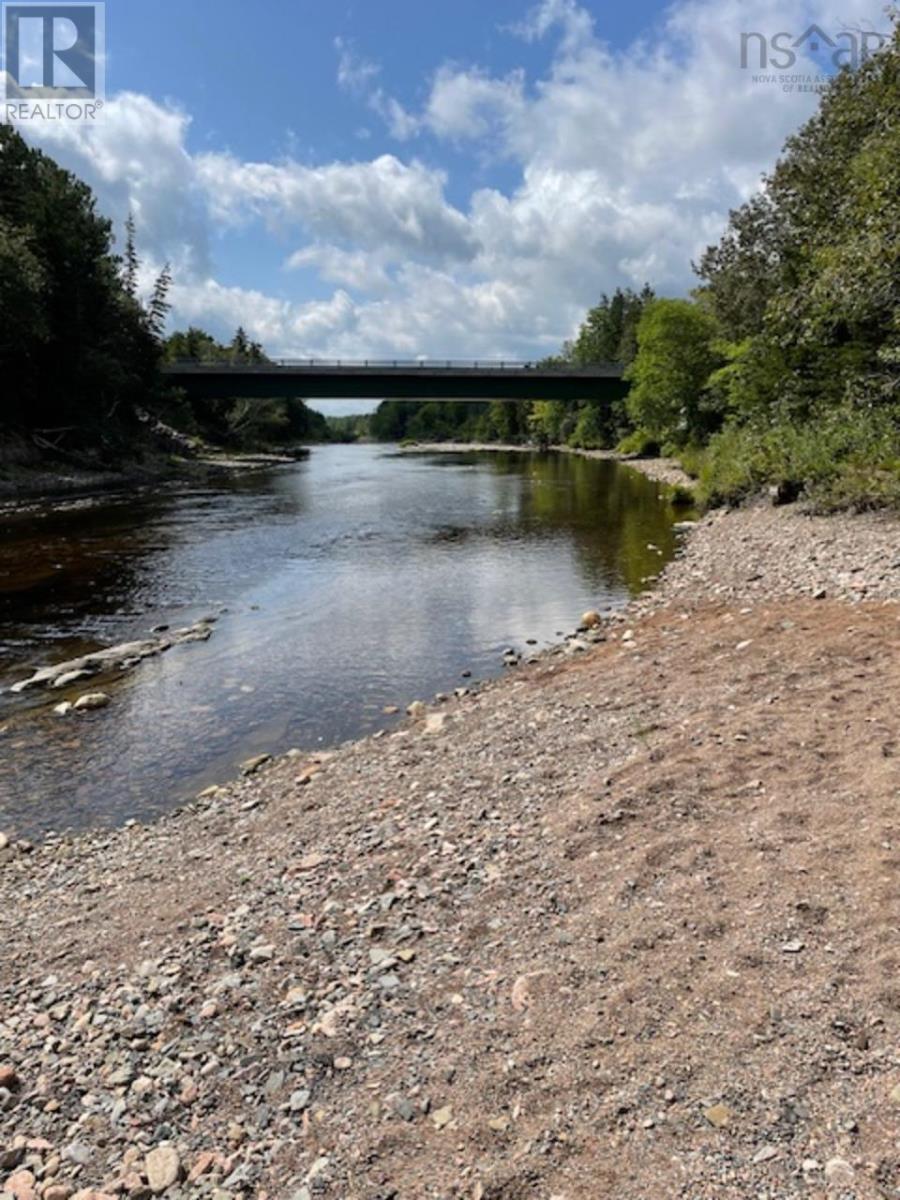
(356, 579)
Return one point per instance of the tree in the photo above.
(76, 346)
(130, 263)
(675, 359)
(810, 268)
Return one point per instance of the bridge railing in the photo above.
(426, 364)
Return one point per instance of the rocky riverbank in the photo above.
(27, 485)
(622, 924)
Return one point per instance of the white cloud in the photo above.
(402, 124)
(374, 205)
(355, 73)
(136, 160)
(627, 161)
(470, 104)
(575, 23)
(353, 268)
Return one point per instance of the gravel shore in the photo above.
(622, 924)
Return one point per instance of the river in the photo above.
(357, 579)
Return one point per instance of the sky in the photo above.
(452, 179)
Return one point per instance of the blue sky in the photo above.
(450, 179)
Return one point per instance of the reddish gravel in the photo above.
(625, 924)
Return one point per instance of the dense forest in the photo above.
(80, 352)
(783, 367)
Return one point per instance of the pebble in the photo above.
(21, 1185)
(765, 1154)
(91, 701)
(162, 1166)
(839, 1172)
(718, 1115)
(442, 1117)
(252, 765)
(794, 947)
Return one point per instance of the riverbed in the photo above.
(354, 581)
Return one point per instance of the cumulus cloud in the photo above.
(465, 104)
(628, 162)
(377, 204)
(364, 272)
(136, 160)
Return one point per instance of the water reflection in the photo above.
(355, 579)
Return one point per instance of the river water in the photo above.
(356, 579)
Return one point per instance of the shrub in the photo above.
(639, 442)
(848, 458)
(682, 496)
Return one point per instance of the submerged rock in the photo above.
(114, 658)
(91, 701)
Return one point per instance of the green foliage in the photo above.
(850, 457)
(682, 496)
(546, 421)
(592, 427)
(426, 421)
(805, 285)
(77, 350)
(675, 358)
(234, 421)
(353, 428)
(609, 331)
(640, 443)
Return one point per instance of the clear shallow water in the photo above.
(357, 579)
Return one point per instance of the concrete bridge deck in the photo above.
(419, 379)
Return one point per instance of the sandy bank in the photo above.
(622, 924)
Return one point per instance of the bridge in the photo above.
(418, 379)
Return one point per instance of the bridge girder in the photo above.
(415, 382)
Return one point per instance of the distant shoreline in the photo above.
(663, 470)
